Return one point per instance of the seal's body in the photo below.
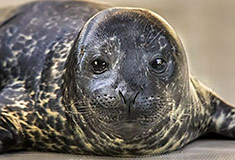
(85, 78)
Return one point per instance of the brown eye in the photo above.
(158, 65)
(99, 66)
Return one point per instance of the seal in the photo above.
(87, 78)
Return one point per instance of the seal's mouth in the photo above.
(128, 129)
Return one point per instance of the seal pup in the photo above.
(87, 78)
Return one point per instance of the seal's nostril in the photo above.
(122, 96)
(135, 98)
(130, 99)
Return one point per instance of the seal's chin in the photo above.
(128, 129)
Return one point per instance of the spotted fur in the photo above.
(39, 106)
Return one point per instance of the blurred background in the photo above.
(207, 29)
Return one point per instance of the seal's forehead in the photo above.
(131, 24)
(119, 20)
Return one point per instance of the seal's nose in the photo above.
(129, 101)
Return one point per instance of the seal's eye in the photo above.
(99, 66)
(158, 65)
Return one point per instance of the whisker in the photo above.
(157, 35)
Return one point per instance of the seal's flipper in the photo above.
(9, 135)
(222, 114)
(223, 117)
(12, 100)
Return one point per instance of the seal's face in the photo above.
(127, 71)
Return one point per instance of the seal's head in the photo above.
(128, 71)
